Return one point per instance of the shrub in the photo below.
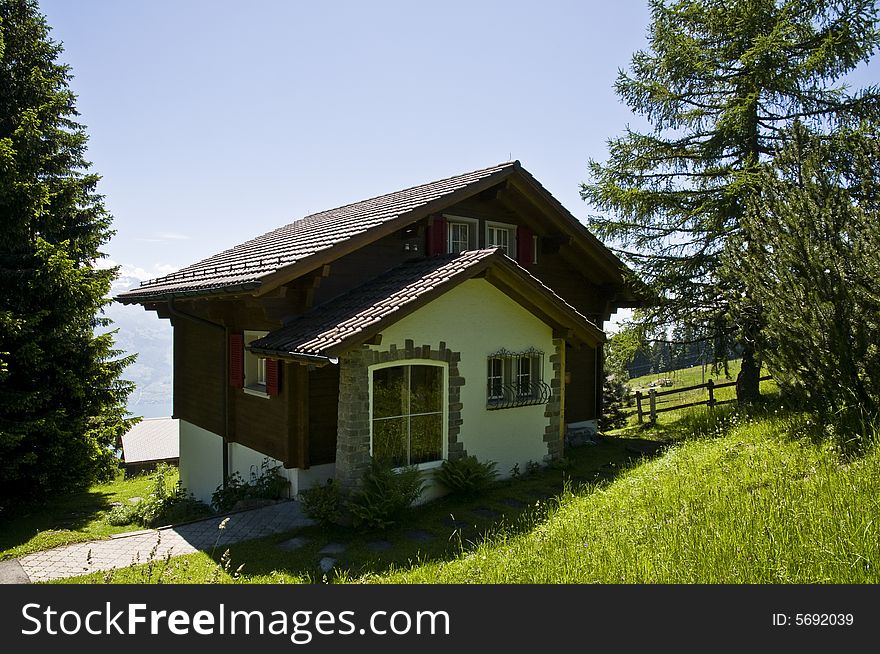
(162, 506)
(385, 496)
(467, 475)
(270, 484)
(323, 503)
(121, 515)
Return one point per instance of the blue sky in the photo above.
(213, 122)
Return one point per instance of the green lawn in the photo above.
(453, 523)
(757, 504)
(732, 500)
(71, 518)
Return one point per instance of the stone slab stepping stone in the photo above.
(486, 512)
(540, 494)
(379, 546)
(333, 548)
(303, 522)
(513, 503)
(293, 544)
(327, 564)
(419, 536)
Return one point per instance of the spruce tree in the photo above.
(62, 401)
(719, 83)
(812, 264)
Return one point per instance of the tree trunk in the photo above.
(748, 380)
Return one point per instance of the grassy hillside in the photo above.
(756, 505)
(730, 501)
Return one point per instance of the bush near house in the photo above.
(166, 504)
(467, 476)
(270, 484)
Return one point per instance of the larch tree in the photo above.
(719, 83)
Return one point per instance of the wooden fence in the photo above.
(653, 394)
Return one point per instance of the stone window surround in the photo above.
(444, 427)
(354, 434)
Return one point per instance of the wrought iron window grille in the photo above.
(515, 379)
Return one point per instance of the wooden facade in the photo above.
(299, 425)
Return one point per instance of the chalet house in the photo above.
(459, 317)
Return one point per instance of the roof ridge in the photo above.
(504, 164)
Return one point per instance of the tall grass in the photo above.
(757, 505)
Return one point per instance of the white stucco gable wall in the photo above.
(476, 319)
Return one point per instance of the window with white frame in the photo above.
(254, 367)
(515, 379)
(462, 234)
(501, 235)
(496, 378)
(408, 414)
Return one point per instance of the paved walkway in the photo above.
(124, 550)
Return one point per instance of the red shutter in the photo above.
(437, 237)
(236, 360)
(273, 376)
(524, 244)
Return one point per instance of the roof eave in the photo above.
(132, 297)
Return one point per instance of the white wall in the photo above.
(201, 464)
(201, 461)
(477, 319)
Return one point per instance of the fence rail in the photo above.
(653, 394)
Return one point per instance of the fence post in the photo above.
(711, 386)
(639, 404)
(653, 395)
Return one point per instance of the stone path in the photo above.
(125, 549)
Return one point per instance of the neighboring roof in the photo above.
(331, 328)
(244, 266)
(152, 439)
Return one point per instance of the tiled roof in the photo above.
(153, 439)
(244, 266)
(331, 327)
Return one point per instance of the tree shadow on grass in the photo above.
(445, 528)
(68, 513)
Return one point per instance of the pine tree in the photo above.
(62, 402)
(719, 83)
(812, 264)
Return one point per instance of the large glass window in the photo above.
(408, 414)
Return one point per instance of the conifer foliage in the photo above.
(719, 84)
(62, 401)
(812, 265)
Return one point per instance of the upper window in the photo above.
(254, 367)
(462, 234)
(408, 414)
(515, 379)
(501, 235)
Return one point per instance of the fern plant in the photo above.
(467, 475)
(384, 496)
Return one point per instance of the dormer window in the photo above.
(501, 235)
(461, 234)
